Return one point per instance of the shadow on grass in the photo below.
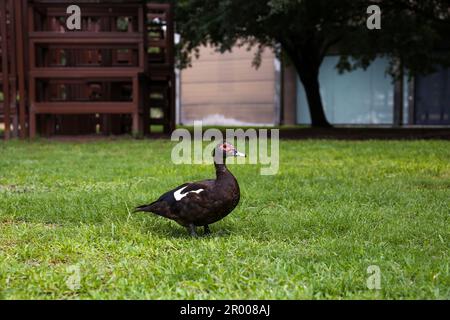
(169, 229)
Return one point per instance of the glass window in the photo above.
(357, 97)
(432, 98)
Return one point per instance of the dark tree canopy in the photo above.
(414, 35)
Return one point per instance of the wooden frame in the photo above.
(113, 47)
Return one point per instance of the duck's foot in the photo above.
(192, 231)
(207, 231)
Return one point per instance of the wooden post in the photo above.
(32, 115)
(170, 38)
(6, 95)
(20, 68)
(172, 103)
(10, 5)
(145, 110)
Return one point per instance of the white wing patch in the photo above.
(179, 195)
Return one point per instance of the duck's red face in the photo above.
(229, 150)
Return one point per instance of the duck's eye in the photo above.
(225, 147)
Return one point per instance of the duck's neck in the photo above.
(221, 169)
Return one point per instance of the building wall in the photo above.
(225, 89)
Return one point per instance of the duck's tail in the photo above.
(145, 207)
(159, 208)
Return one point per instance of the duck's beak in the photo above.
(239, 154)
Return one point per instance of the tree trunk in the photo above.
(312, 89)
(308, 71)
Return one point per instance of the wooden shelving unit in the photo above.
(114, 76)
(74, 72)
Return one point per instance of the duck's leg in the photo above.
(207, 231)
(192, 230)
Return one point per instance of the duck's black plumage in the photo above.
(201, 203)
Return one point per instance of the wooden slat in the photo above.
(12, 77)
(119, 9)
(87, 12)
(86, 37)
(91, 46)
(96, 73)
(152, 16)
(158, 6)
(84, 107)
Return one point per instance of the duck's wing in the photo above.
(186, 189)
(170, 198)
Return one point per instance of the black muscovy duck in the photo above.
(199, 204)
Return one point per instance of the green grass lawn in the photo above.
(310, 232)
